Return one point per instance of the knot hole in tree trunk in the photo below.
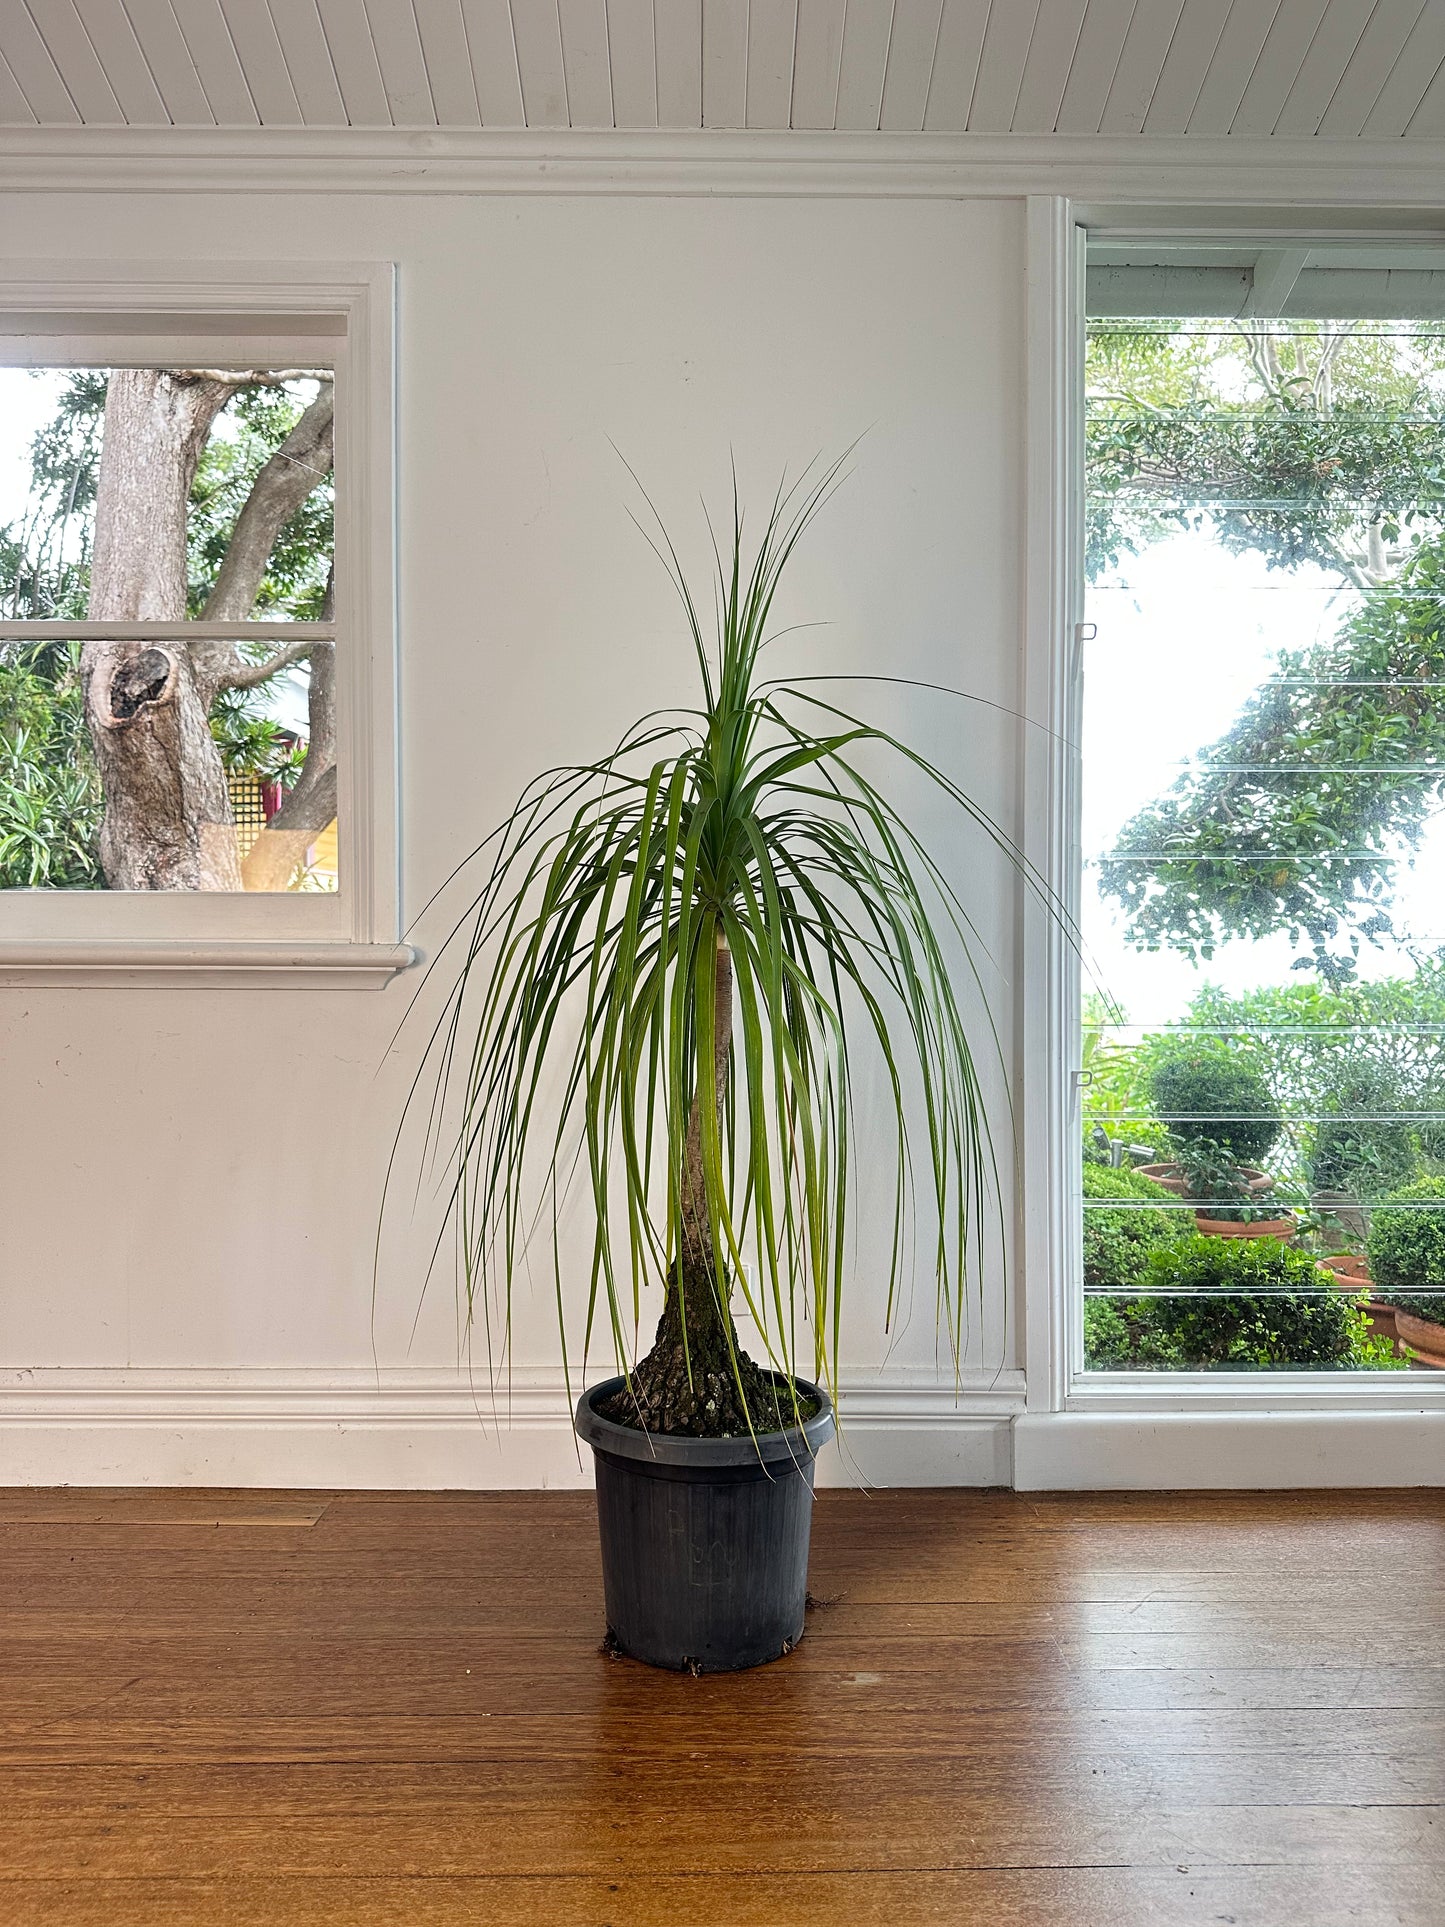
(140, 682)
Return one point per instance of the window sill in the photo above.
(202, 966)
(1154, 1394)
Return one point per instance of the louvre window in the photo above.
(1263, 900)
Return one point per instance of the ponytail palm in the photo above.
(675, 960)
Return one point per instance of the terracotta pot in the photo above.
(1173, 1179)
(1347, 1267)
(1207, 1227)
(1425, 1339)
(1380, 1320)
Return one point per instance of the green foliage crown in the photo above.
(1211, 1095)
(1407, 1248)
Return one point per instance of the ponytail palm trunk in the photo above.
(673, 959)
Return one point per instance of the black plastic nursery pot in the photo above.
(704, 1541)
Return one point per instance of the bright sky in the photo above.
(27, 402)
(1178, 650)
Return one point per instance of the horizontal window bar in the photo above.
(1188, 503)
(1285, 1117)
(1210, 1291)
(1309, 769)
(1150, 326)
(1113, 407)
(1261, 1207)
(1243, 1028)
(1244, 856)
(167, 631)
(1270, 683)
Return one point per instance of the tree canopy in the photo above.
(1304, 442)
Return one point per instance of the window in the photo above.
(196, 714)
(1263, 815)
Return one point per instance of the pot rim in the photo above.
(1414, 1318)
(1281, 1227)
(1256, 1181)
(797, 1444)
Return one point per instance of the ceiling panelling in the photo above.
(1338, 69)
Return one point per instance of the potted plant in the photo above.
(1220, 1119)
(671, 963)
(1407, 1265)
(1228, 1196)
(1360, 1151)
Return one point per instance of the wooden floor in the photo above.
(227, 1708)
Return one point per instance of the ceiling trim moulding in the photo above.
(1096, 171)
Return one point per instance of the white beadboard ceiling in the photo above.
(1340, 69)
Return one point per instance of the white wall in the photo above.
(190, 1178)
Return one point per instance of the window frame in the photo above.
(86, 314)
(1050, 1286)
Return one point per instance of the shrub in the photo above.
(1407, 1249)
(1215, 1094)
(1281, 1312)
(1363, 1155)
(1138, 1219)
(1124, 1183)
(50, 802)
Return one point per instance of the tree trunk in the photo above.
(272, 859)
(168, 823)
(689, 1381)
(695, 1233)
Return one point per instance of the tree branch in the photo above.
(252, 377)
(247, 674)
(281, 486)
(273, 859)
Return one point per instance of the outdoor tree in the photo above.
(177, 521)
(1299, 443)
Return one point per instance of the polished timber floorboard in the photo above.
(222, 1709)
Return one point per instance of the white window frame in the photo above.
(97, 315)
(1115, 1429)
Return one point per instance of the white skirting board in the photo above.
(1231, 1450)
(416, 1430)
(428, 1430)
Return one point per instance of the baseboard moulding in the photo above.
(420, 1429)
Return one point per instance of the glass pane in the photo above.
(1264, 847)
(167, 495)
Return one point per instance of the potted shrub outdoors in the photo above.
(1221, 1122)
(1407, 1266)
(1360, 1151)
(669, 967)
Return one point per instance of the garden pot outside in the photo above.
(1208, 1227)
(1173, 1179)
(1380, 1320)
(704, 1541)
(1425, 1339)
(1349, 1269)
